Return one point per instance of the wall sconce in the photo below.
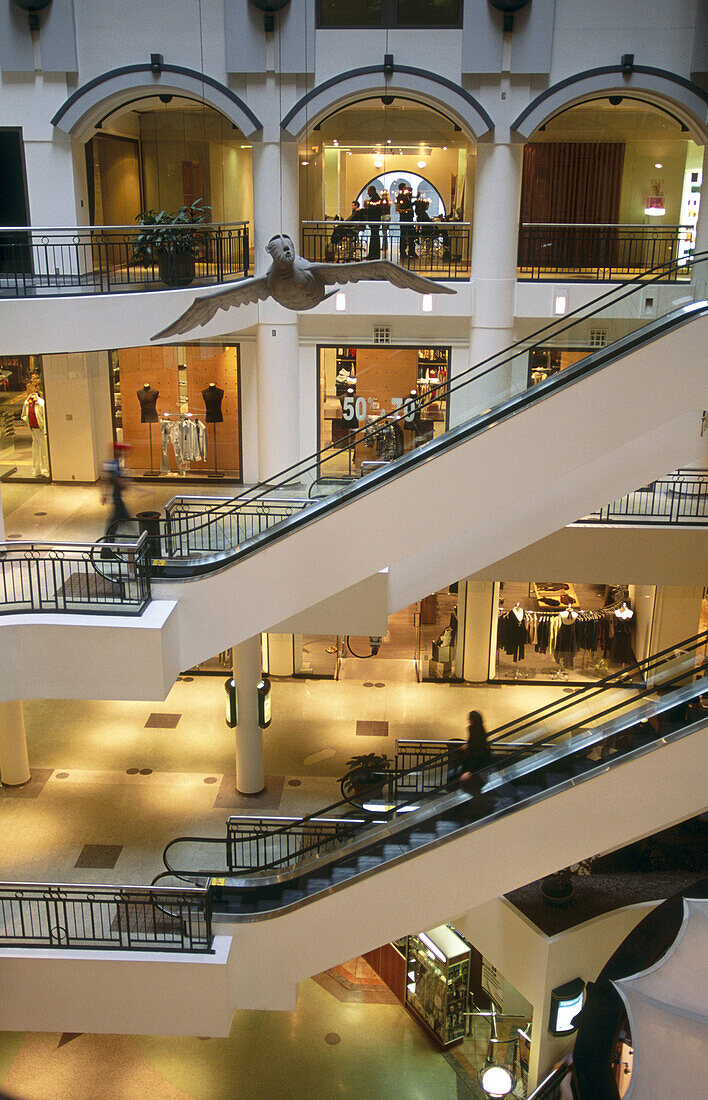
(426, 303)
(340, 301)
(560, 304)
(33, 8)
(269, 8)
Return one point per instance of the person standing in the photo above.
(404, 209)
(374, 207)
(114, 482)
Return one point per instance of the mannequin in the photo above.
(621, 652)
(33, 414)
(518, 611)
(213, 396)
(147, 397)
(566, 641)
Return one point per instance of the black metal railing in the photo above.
(75, 577)
(182, 532)
(440, 250)
(545, 737)
(103, 259)
(601, 252)
(125, 918)
(678, 500)
(255, 842)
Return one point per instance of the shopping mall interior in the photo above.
(353, 559)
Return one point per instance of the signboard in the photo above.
(264, 703)
(493, 983)
(231, 703)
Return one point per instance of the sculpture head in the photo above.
(281, 248)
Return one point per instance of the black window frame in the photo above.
(389, 20)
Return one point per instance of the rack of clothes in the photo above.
(186, 434)
(386, 437)
(595, 637)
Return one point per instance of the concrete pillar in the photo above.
(277, 349)
(14, 762)
(276, 200)
(477, 629)
(247, 664)
(280, 654)
(495, 233)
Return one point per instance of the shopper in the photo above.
(477, 755)
(114, 483)
(404, 209)
(374, 208)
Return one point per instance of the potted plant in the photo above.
(557, 889)
(174, 243)
(364, 771)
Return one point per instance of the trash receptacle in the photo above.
(149, 522)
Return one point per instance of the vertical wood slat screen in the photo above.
(571, 182)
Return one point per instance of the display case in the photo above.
(437, 982)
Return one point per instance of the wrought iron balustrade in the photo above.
(602, 252)
(95, 259)
(121, 918)
(440, 250)
(680, 500)
(83, 578)
(194, 526)
(255, 843)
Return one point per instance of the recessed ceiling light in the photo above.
(335, 142)
(658, 165)
(444, 148)
(304, 163)
(378, 164)
(422, 163)
(388, 141)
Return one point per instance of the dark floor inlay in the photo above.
(333, 1038)
(187, 679)
(37, 783)
(100, 857)
(372, 729)
(211, 779)
(159, 721)
(379, 685)
(40, 513)
(132, 771)
(146, 771)
(294, 782)
(61, 775)
(227, 797)
(368, 684)
(14, 535)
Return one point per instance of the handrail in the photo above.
(136, 226)
(601, 225)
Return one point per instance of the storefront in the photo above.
(399, 390)
(179, 409)
(24, 422)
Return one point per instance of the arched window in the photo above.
(390, 181)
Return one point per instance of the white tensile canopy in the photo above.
(667, 1008)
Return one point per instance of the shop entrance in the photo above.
(420, 644)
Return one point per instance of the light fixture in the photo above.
(433, 947)
(655, 211)
(378, 163)
(335, 142)
(340, 301)
(444, 148)
(560, 304)
(388, 142)
(426, 303)
(658, 165)
(421, 163)
(496, 1081)
(304, 163)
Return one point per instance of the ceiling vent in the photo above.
(598, 337)
(382, 334)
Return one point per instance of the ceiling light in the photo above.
(426, 303)
(335, 142)
(496, 1081)
(304, 163)
(340, 301)
(421, 163)
(560, 304)
(378, 164)
(658, 165)
(444, 148)
(388, 142)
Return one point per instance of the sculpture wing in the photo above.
(207, 306)
(379, 270)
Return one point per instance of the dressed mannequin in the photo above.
(621, 647)
(147, 397)
(213, 396)
(33, 414)
(518, 610)
(566, 642)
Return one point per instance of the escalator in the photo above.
(520, 464)
(622, 761)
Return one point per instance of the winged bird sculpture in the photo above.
(297, 284)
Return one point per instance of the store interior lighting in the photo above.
(426, 303)
(340, 301)
(560, 304)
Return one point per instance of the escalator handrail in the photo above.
(185, 569)
(445, 759)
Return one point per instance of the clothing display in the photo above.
(596, 634)
(147, 397)
(213, 396)
(621, 649)
(188, 439)
(389, 441)
(34, 417)
(514, 635)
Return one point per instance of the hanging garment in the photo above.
(515, 637)
(188, 440)
(621, 647)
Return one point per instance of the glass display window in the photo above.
(24, 426)
(544, 362)
(437, 982)
(562, 630)
(404, 389)
(178, 407)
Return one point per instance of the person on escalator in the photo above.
(477, 756)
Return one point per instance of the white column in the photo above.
(14, 762)
(275, 196)
(280, 655)
(495, 232)
(277, 349)
(699, 274)
(247, 661)
(477, 629)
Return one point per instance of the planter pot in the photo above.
(557, 894)
(176, 268)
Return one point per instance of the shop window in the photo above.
(179, 409)
(24, 448)
(545, 362)
(390, 13)
(392, 399)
